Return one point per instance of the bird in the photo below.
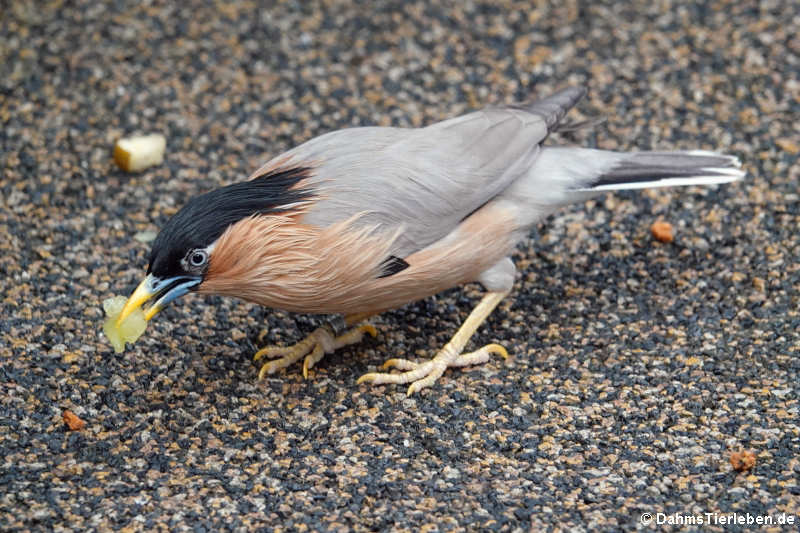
(362, 220)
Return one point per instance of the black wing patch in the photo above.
(392, 265)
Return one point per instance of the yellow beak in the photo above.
(165, 290)
(142, 294)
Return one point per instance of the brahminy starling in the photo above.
(362, 220)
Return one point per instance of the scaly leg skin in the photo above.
(425, 374)
(314, 347)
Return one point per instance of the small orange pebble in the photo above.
(743, 461)
(662, 231)
(72, 421)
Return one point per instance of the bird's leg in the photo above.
(425, 374)
(324, 339)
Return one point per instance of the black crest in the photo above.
(201, 221)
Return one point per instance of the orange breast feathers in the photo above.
(278, 262)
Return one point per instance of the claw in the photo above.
(271, 352)
(497, 349)
(481, 355)
(313, 358)
(368, 328)
(422, 375)
(314, 347)
(268, 368)
(369, 377)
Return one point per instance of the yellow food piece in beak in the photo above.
(129, 330)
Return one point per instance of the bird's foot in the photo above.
(314, 347)
(422, 375)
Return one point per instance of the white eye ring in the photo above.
(198, 258)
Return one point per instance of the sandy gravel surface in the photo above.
(639, 367)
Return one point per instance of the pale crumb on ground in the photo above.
(134, 154)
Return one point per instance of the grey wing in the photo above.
(423, 182)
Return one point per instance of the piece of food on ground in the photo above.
(662, 231)
(73, 421)
(743, 460)
(129, 330)
(134, 154)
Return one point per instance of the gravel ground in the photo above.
(639, 367)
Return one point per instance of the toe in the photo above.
(268, 352)
(267, 368)
(400, 364)
(368, 378)
(370, 329)
(496, 349)
(312, 359)
(420, 384)
(379, 378)
(480, 356)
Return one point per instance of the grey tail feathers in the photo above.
(641, 170)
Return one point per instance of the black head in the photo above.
(181, 248)
(180, 254)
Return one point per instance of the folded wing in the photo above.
(419, 184)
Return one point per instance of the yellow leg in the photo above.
(314, 347)
(422, 375)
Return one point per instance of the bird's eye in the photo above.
(198, 258)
